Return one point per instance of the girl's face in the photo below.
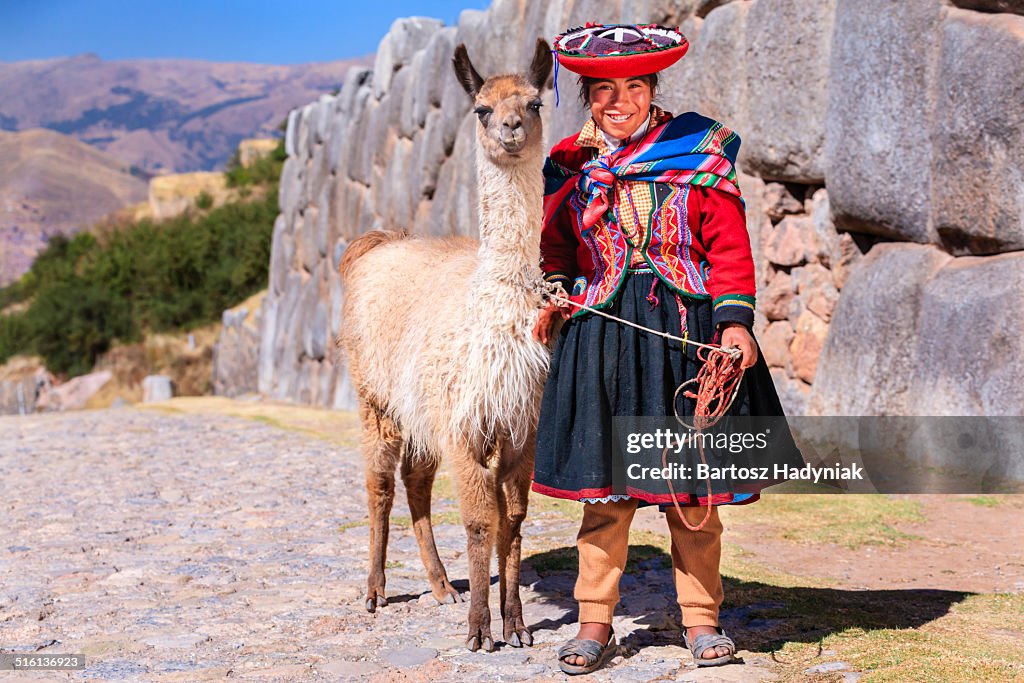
(620, 105)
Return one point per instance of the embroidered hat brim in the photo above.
(619, 50)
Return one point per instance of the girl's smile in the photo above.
(620, 105)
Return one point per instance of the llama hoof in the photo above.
(475, 643)
(449, 597)
(372, 604)
(519, 638)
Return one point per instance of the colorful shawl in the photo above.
(688, 149)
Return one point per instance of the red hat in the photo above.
(619, 50)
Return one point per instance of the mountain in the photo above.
(160, 115)
(51, 183)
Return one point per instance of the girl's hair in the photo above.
(586, 81)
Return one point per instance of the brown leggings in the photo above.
(603, 543)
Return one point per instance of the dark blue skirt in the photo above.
(602, 369)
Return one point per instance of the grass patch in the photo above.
(986, 501)
(541, 505)
(977, 639)
(444, 488)
(336, 426)
(449, 517)
(852, 521)
(345, 526)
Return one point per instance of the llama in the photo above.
(438, 336)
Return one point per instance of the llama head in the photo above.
(507, 106)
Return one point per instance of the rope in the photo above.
(718, 383)
(555, 292)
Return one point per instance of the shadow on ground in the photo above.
(760, 617)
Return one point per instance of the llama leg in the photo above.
(477, 504)
(513, 497)
(418, 477)
(381, 446)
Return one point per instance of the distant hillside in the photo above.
(160, 115)
(49, 184)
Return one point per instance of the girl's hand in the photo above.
(546, 321)
(737, 335)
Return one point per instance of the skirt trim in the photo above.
(684, 499)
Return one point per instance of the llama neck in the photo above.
(511, 210)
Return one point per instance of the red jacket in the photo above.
(695, 240)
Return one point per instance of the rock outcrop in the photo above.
(862, 122)
(174, 194)
(236, 353)
(23, 381)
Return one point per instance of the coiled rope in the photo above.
(717, 381)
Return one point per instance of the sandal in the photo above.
(706, 640)
(593, 651)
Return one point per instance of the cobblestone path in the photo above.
(186, 548)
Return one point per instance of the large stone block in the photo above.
(409, 35)
(308, 256)
(677, 84)
(156, 388)
(427, 156)
(323, 219)
(282, 250)
(357, 153)
(356, 78)
(290, 189)
(314, 334)
(753, 189)
(969, 343)
(454, 210)
(793, 393)
(722, 82)
(408, 123)
(302, 148)
(977, 194)
(265, 366)
(878, 141)
(436, 67)
(402, 202)
(291, 133)
(867, 363)
(383, 67)
(788, 43)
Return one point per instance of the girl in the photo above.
(643, 219)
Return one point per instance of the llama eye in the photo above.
(535, 105)
(483, 113)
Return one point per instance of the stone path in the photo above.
(189, 548)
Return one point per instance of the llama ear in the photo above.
(471, 81)
(540, 67)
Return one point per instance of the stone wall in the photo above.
(862, 122)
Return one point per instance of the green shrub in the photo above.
(15, 335)
(204, 201)
(263, 171)
(88, 292)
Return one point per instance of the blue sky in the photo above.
(229, 30)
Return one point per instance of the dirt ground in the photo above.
(206, 539)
